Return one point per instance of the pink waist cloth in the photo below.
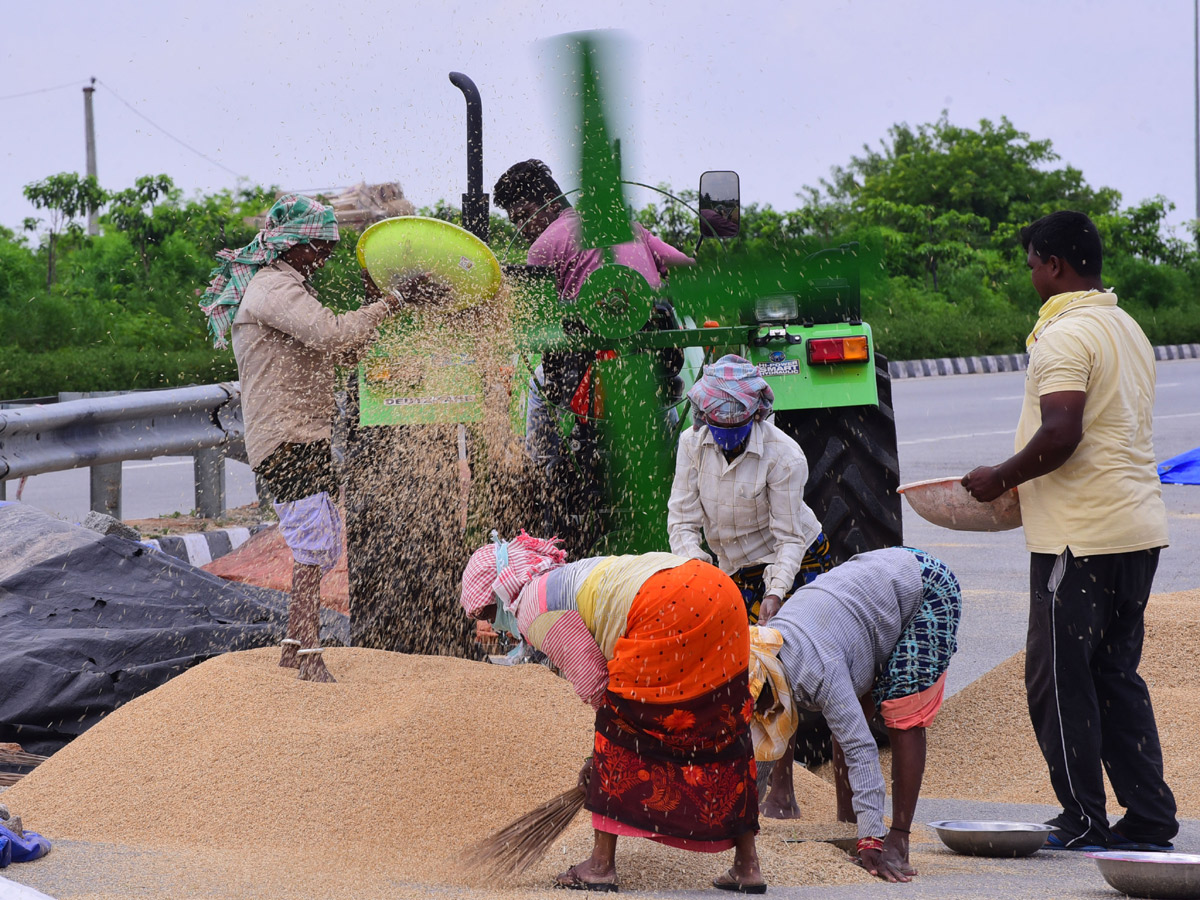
(612, 826)
(916, 710)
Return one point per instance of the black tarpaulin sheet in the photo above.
(89, 622)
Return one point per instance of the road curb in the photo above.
(1009, 362)
(199, 548)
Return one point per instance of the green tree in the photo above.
(64, 196)
(224, 219)
(1139, 231)
(138, 212)
(949, 196)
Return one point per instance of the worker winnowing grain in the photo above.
(877, 631)
(659, 646)
(287, 345)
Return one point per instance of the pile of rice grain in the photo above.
(982, 746)
(382, 779)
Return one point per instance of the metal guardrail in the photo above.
(28, 401)
(204, 422)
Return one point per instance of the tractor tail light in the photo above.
(836, 350)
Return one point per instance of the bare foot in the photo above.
(895, 853)
(587, 872)
(289, 659)
(312, 668)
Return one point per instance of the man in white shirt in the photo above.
(739, 486)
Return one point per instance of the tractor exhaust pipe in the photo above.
(474, 201)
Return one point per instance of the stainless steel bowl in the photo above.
(1170, 876)
(992, 838)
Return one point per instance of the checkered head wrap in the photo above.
(505, 568)
(731, 391)
(292, 220)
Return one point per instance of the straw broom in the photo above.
(521, 843)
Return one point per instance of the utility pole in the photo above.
(1196, 91)
(89, 124)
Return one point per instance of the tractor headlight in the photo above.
(776, 308)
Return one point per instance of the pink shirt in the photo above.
(558, 247)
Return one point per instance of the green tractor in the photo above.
(797, 318)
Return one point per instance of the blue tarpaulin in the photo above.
(21, 847)
(1181, 469)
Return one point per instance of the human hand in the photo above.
(413, 288)
(882, 864)
(984, 483)
(770, 605)
(370, 288)
(585, 774)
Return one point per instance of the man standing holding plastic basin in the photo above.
(1094, 524)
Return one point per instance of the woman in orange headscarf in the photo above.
(659, 646)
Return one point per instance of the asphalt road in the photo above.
(150, 488)
(946, 425)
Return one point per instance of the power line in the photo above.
(167, 133)
(42, 90)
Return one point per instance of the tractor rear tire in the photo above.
(853, 470)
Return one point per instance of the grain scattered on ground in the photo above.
(982, 746)
(380, 780)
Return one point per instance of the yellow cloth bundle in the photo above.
(773, 727)
(606, 595)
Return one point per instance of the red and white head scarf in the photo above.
(488, 572)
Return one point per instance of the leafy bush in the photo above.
(107, 368)
(934, 208)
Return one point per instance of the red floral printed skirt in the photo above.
(673, 757)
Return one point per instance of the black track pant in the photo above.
(1087, 702)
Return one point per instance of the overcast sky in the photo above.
(322, 95)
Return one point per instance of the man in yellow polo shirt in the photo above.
(1094, 524)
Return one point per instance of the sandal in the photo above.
(578, 884)
(732, 884)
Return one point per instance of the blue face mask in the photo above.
(729, 438)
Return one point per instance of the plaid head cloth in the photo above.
(527, 557)
(292, 220)
(731, 391)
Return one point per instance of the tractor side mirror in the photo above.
(720, 204)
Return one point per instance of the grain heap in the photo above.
(376, 782)
(982, 745)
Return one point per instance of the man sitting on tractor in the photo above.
(535, 204)
(739, 485)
